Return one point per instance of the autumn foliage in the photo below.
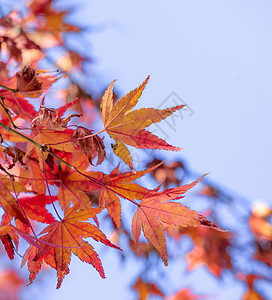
(53, 191)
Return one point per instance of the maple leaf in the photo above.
(28, 84)
(145, 289)
(117, 185)
(7, 201)
(72, 185)
(35, 208)
(48, 118)
(70, 61)
(9, 247)
(92, 146)
(61, 110)
(32, 174)
(51, 23)
(64, 237)
(210, 249)
(165, 173)
(16, 154)
(156, 209)
(59, 140)
(111, 187)
(128, 127)
(24, 42)
(142, 249)
(18, 104)
(8, 237)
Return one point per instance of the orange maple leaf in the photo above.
(7, 201)
(32, 174)
(117, 185)
(72, 185)
(51, 24)
(155, 209)
(128, 127)
(112, 186)
(62, 238)
(210, 249)
(146, 289)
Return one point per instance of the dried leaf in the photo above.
(92, 146)
(28, 84)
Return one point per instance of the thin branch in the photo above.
(44, 148)
(9, 89)
(73, 140)
(47, 185)
(8, 113)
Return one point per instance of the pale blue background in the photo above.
(216, 55)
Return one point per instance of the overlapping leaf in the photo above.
(64, 237)
(146, 289)
(117, 185)
(210, 249)
(156, 209)
(9, 238)
(62, 163)
(7, 201)
(92, 146)
(111, 187)
(35, 208)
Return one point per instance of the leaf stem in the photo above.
(73, 140)
(9, 89)
(9, 129)
(44, 148)
(47, 185)
(8, 113)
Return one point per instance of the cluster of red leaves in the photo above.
(46, 176)
(52, 197)
(211, 249)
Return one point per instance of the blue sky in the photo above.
(216, 57)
